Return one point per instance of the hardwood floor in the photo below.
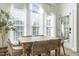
(67, 51)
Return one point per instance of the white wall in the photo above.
(69, 9)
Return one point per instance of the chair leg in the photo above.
(39, 54)
(28, 54)
(57, 52)
(63, 50)
(48, 53)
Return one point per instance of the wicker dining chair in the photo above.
(14, 50)
(39, 47)
(45, 46)
(54, 44)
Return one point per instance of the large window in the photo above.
(50, 29)
(19, 27)
(36, 19)
(41, 22)
(48, 26)
(19, 18)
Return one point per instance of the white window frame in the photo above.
(24, 25)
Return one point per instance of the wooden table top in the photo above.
(33, 39)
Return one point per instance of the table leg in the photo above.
(59, 51)
(63, 50)
(55, 52)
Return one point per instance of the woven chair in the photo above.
(14, 50)
(45, 47)
(54, 44)
(39, 47)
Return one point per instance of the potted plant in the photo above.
(5, 25)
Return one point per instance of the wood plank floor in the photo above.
(68, 53)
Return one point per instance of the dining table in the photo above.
(31, 39)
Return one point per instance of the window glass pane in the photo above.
(35, 8)
(36, 19)
(50, 24)
(48, 31)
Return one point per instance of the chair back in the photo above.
(53, 44)
(9, 45)
(39, 47)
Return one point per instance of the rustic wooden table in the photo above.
(29, 40)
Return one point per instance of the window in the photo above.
(37, 22)
(50, 25)
(41, 22)
(35, 30)
(19, 26)
(19, 18)
(36, 19)
(35, 8)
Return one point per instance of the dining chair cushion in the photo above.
(17, 47)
